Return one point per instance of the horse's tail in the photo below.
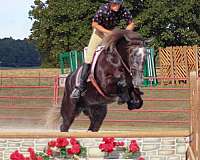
(53, 117)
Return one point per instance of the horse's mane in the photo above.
(132, 38)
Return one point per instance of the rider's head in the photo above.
(115, 4)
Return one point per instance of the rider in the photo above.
(105, 20)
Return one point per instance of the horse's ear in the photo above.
(149, 40)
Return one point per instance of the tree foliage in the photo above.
(18, 53)
(171, 22)
(61, 25)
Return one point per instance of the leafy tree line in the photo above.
(18, 53)
(61, 25)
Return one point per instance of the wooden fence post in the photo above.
(195, 112)
(197, 59)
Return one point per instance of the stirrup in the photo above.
(120, 101)
(76, 94)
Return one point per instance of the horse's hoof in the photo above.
(62, 129)
(120, 101)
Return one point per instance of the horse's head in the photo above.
(131, 48)
(136, 56)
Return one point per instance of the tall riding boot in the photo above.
(76, 93)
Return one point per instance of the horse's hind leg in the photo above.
(97, 114)
(68, 113)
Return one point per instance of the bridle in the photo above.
(128, 69)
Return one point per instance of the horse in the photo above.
(118, 73)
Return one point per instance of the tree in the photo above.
(18, 53)
(61, 25)
(170, 22)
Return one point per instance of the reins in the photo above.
(124, 64)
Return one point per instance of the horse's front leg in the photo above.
(68, 114)
(97, 114)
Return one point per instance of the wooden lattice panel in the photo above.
(190, 52)
(166, 64)
(179, 60)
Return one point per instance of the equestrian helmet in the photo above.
(116, 1)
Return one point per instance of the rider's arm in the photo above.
(100, 28)
(98, 19)
(126, 15)
(130, 26)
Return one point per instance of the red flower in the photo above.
(52, 143)
(39, 158)
(107, 147)
(17, 156)
(49, 152)
(61, 142)
(76, 148)
(120, 144)
(133, 147)
(73, 141)
(32, 153)
(140, 158)
(109, 144)
(134, 141)
(69, 151)
(108, 139)
(102, 146)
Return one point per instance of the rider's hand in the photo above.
(108, 32)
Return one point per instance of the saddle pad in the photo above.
(94, 61)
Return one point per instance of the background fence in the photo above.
(160, 127)
(24, 102)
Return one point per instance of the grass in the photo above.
(30, 72)
(45, 103)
